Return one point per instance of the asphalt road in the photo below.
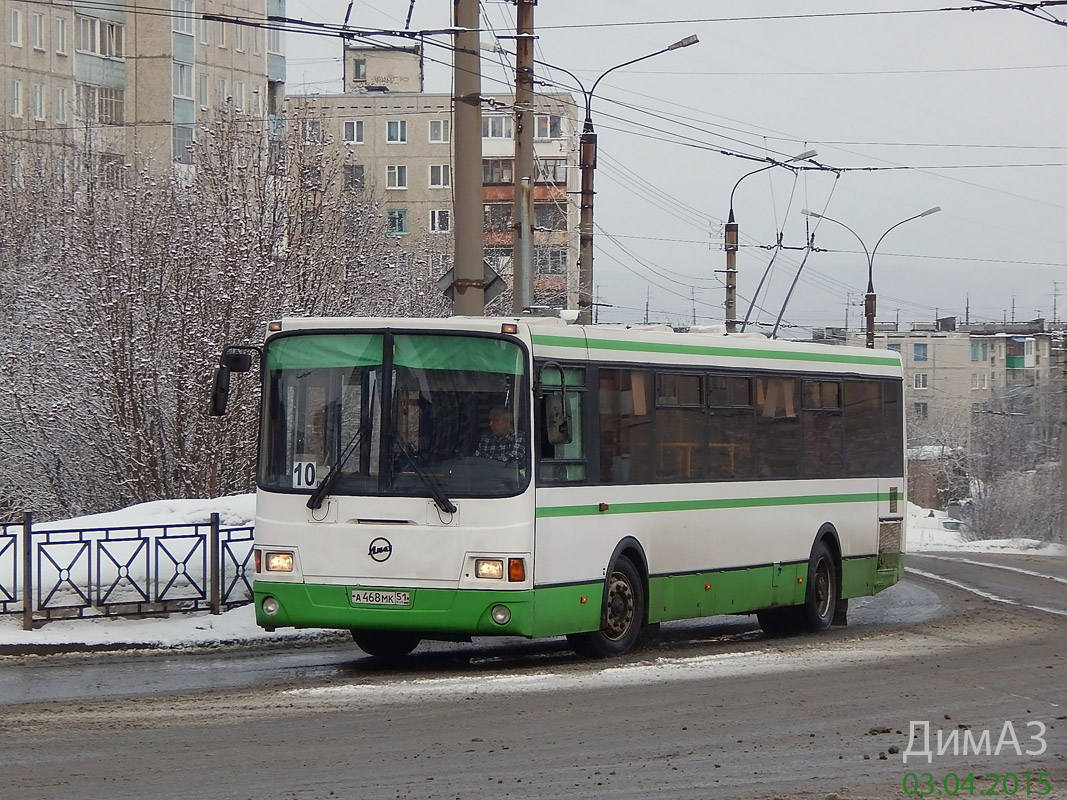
(712, 710)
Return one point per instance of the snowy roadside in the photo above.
(926, 533)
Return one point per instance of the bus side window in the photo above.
(626, 402)
(777, 428)
(562, 462)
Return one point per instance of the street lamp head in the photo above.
(803, 156)
(930, 211)
(688, 40)
(807, 213)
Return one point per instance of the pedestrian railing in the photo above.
(133, 571)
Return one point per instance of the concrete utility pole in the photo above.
(469, 256)
(1063, 433)
(522, 296)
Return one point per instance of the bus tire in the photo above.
(385, 644)
(820, 600)
(781, 621)
(621, 618)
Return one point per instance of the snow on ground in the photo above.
(926, 532)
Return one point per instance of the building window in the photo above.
(443, 261)
(919, 352)
(894, 346)
(440, 220)
(182, 15)
(38, 31)
(548, 126)
(440, 176)
(353, 133)
(205, 30)
(353, 176)
(396, 176)
(239, 38)
(974, 380)
(312, 131)
(183, 80)
(974, 351)
(551, 260)
(220, 33)
(985, 382)
(359, 69)
(550, 217)
(985, 351)
(222, 92)
(99, 37)
(61, 35)
(16, 27)
(552, 170)
(201, 92)
(498, 170)
(239, 95)
(397, 221)
(257, 45)
(498, 126)
(61, 104)
(921, 410)
(183, 144)
(497, 217)
(440, 130)
(920, 381)
(37, 99)
(274, 41)
(111, 106)
(16, 98)
(396, 131)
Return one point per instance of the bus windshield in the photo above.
(426, 415)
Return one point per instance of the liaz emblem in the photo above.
(380, 549)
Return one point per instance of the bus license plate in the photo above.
(374, 597)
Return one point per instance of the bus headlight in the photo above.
(501, 615)
(278, 562)
(270, 606)
(489, 568)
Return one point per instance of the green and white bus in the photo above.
(650, 475)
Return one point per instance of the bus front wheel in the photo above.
(820, 600)
(621, 618)
(385, 644)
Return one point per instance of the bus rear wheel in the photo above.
(385, 644)
(820, 601)
(622, 617)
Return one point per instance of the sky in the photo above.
(908, 108)
(238, 626)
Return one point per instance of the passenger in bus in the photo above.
(501, 443)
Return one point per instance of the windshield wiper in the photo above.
(323, 489)
(428, 480)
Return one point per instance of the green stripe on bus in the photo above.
(592, 509)
(828, 357)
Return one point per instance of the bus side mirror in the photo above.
(235, 358)
(557, 423)
(220, 391)
(235, 361)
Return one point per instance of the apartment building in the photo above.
(128, 81)
(953, 372)
(396, 142)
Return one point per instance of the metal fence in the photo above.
(135, 571)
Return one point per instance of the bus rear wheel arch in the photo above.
(622, 616)
(822, 595)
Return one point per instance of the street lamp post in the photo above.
(870, 300)
(587, 164)
(731, 241)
